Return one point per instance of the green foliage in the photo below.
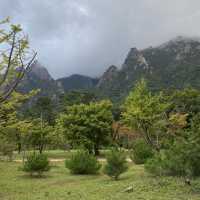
(36, 163)
(77, 97)
(15, 57)
(146, 113)
(82, 162)
(116, 163)
(44, 108)
(141, 152)
(88, 125)
(182, 156)
(40, 135)
(13, 130)
(186, 101)
(167, 162)
(7, 147)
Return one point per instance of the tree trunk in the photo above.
(41, 147)
(96, 150)
(19, 147)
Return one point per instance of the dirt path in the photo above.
(62, 160)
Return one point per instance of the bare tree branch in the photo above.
(9, 60)
(20, 76)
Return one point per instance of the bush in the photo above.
(180, 160)
(82, 162)
(116, 163)
(7, 148)
(158, 165)
(36, 163)
(141, 152)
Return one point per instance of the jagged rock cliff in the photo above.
(175, 64)
(39, 78)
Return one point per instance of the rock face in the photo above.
(108, 76)
(174, 64)
(41, 72)
(39, 78)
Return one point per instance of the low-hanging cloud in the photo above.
(86, 36)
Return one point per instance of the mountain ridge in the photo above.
(173, 64)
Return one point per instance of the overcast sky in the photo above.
(87, 36)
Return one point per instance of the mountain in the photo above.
(77, 82)
(39, 78)
(174, 64)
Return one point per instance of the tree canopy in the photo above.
(88, 125)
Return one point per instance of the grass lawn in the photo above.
(54, 154)
(58, 184)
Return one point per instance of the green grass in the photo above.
(52, 154)
(55, 154)
(58, 184)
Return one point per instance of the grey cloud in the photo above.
(86, 36)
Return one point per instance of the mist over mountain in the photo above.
(39, 78)
(173, 64)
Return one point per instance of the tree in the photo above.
(75, 98)
(15, 58)
(116, 163)
(185, 101)
(181, 158)
(12, 129)
(181, 154)
(185, 106)
(40, 135)
(146, 113)
(36, 163)
(44, 109)
(88, 125)
(81, 162)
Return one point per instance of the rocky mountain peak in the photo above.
(182, 48)
(111, 69)
(108, 75)
(180, 41)
(40, 71)
(174, 64)
(132, 55)
(134, 60)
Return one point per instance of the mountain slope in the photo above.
(39, 78)
(77, 82)
(175, 64)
